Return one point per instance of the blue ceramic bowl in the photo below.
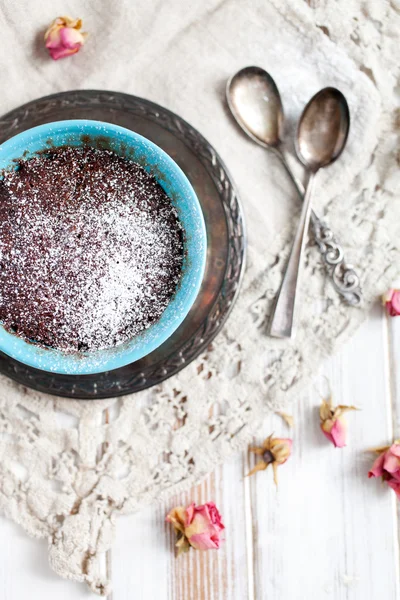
(135, 147)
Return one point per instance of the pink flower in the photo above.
(198, 527)
(387, 466)
(203, 526)
(392, 302)
(63, 37)
(333, 423)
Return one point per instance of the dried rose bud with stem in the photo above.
(333, 423)
(273, 451)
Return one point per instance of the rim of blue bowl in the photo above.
(156, 161)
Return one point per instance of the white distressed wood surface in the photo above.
(327, 532)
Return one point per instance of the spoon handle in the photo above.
(282, 318)
(344, 278)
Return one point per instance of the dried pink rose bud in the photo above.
(387, 466)
(333, 423)
(64, 37)
(198, 527)
(391, 299)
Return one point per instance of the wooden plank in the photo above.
(140, 557)
(26, 573)
(145, 547)
(393, 335)
(328, 530)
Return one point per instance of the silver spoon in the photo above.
(255, 102)
(321, 137)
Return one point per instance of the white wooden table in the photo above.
(327, 532)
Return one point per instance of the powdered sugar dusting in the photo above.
(91, 249)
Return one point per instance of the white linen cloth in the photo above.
(180, 54)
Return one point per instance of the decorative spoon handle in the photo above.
(343, 275)
(282, 318)
(344, 278)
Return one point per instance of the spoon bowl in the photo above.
(256, 105)
(323, 129)
(321, 138)
(255, 102)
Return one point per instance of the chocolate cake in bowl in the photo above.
(102, 247)
(91, 249)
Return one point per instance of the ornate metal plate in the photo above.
(225, 236)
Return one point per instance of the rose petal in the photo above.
(327, 425)
(287, 441)
(57, 53)
(391, 463)
(377, 467)
(177, 518)
(335, 431)
(395, 476)
(327, 435)
(53, 39)
(392, 301)
(203, 541)
(338, 432)
(199, 524)
(215, 515)
(281, 449)
(395, 449)
(189, 514)
(395, 485)
(387, 296)
(71, 38)
(396, 301)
